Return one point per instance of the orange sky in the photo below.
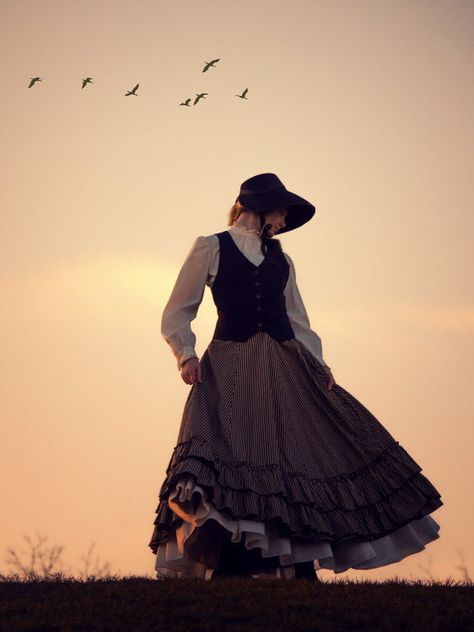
(363, 108)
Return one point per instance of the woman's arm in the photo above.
(183, 304)
(299, 318)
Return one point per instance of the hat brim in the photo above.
(300, 210)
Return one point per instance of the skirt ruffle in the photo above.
(267, 452)
(178, 553)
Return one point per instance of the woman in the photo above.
(277, 470)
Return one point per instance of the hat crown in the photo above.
(262, 183)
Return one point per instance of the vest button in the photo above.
(258, 295)
(256, 271)
(257, 282)
(259, 324)
(258, 309)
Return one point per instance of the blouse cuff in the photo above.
(185, 354)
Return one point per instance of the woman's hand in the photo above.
(191, 370)
(331, 380)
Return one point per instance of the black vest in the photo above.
(250, 298)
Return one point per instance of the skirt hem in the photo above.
(191, 549)
(367, 504)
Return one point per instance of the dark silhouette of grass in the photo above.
(40, 596)
(135, 603)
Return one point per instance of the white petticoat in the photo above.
(172, 559)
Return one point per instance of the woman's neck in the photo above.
(251, 221)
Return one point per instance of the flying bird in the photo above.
(242, 96)
(132, 91)
(86, 81)
(200, 96)
(210, 64)
(34, 80)
(186, 102)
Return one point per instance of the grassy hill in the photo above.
(133, 604)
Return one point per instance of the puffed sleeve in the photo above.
(183, 304)
(298, 316)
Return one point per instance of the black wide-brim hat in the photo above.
(266, 192)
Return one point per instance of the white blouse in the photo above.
(199, 269)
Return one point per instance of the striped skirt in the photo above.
(270, 459)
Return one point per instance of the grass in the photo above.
(135, 603)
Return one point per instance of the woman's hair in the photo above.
(234, 213)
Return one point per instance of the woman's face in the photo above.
(276, 218)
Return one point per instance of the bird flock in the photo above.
(200, 95)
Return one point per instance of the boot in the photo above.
(234, 560)
(305, 570)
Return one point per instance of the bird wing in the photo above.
(245, 91)
(135, 87)
(214, 61)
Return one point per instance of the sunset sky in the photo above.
(362, 107)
